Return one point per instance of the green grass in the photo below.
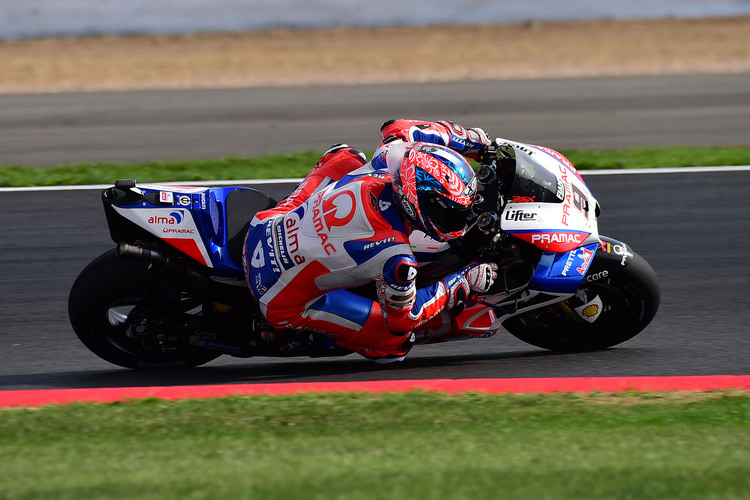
(265, 167)
(297, 165)
(416, 445)
(662, 158)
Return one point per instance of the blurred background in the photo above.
(36, 18)
(247, 78)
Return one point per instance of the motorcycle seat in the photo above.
(241, 205)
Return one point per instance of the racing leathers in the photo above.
(341, 229)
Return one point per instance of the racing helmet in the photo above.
(433, 186)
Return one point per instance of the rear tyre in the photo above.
(136, 316)
(629, 296)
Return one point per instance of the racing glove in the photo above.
(478, 136)
(481, 277)
(472, 142)
(474, 278)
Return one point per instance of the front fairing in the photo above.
(549, 204)
(544, 202)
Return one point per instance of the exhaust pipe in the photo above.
(128, 250)
(169, 264)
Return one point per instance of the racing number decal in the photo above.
(258, 260)
(580, 202)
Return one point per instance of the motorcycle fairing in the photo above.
(548, 205)
(174, 226)
(206, 224)
(563, 272)
(552, 240)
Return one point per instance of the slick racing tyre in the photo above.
(614, 303)
(136, 316)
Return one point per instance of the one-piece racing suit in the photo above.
(341, 229)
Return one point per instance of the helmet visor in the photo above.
(446, 218)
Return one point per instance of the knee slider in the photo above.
(409, 343)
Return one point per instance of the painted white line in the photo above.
(624, 171)
(681, 170)
(180, 183)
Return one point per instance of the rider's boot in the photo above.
(394, 358)
(267, 340)
(337, 162)
(473, 320)
(262, 335)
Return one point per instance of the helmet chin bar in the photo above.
(412, 223)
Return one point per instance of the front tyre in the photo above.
(624, 298)
(134, 316)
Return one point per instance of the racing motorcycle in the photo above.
(173, 291)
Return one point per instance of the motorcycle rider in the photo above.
(348, 224)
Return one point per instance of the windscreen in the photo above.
(535, 184)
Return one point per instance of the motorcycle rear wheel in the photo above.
(630, 297)
(130, 314)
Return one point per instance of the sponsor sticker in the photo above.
(591, 310)
(166, 197)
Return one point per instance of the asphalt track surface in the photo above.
(700, 110)
(693, 228)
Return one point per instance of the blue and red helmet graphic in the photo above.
(436, 188)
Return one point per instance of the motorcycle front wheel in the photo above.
(629, 298)
(136, 316)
